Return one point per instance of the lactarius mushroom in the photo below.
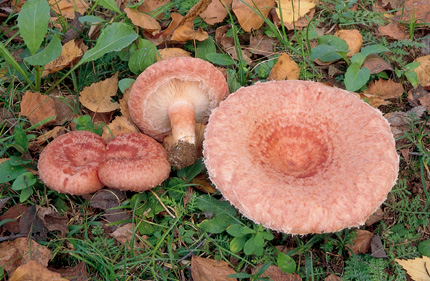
(70, 163)
(135, 162)
(171, 96)
(300, 157)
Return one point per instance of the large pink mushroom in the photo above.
(300, 157)
(134, 161)
(171, 96)
(70, 163)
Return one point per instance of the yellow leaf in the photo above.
(300, 8)
(285, 68)
(71, 51)
(67, 8)
(353, 38)
(417, 268)
(120, 125)
(423, 70)
(186, 32)
(168, 53)
(247, 18)
(37, 107)
(97, 97)
(216, 12)
(34, 271)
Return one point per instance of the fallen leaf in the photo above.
(145, 21)
(376, 64)
(73, 273)
(37, 107)
(20, 251)
(64, 105)
(361, 244)
(216, 11)
(301, 8)
(423, 70)
(48, 135)
(227, 44)
(385, 89)
(186, 32)
(34, 271)
(151, 6)
(174, 23)
(393, 30)
(276, 274)
(377, 248)
(209, 269)
(168, 53)
(197, 9)
(392, 4)
(400, 121)
(202, 184)
(353, 38)
(118, 126)
(417, 268)
(414, 10)
(52, 220)
(124, 102)
(13, 213)
(67, 8)
(373, 101)
(261, 44)
(248, 19)
(419, 96)
(124, 235)
(332, 277)
(107, 200)
(284, 68)
(70, 53)
(375, 217)
(32, 226)
(97, 97)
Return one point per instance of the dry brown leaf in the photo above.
(176, 21)
(71, 51)
(197, 9)
(423, 70)
(353, 38)
(361, 244)
(400, 121)
(34, 271)
(124, 235)
(13, 213)
(375, 217)
(276, 274)
(64, 106)
(216, 11)
(419, 96)
(74, 273)
(248, 19)
(124, 103)
(50, 134)
(284, 68)
(149, 6)
(209, 269)
(261, 44)
(376, 64)
(168, 53)
(300, 8)
(414, 10)
(373, 101)
(186, 32)
(202, 184)
(67, 8)
(118, 126)
(37, 107)
(20, 251)
(393, 30)
(145, 21)
(385, 89)
(417, 268)
(97, 97)
(52, 220)
(227, 44)
(332, 277)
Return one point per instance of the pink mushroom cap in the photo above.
(69, 164)
(179, 79)
(135, 162)
(300, 157)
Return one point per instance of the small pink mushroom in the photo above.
(171, 96)
(70, 163)
(300, 157)
(135, 162)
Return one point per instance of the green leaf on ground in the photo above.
(9, 172)
(48, 54)
(143, 57)
(221, 59)
(424, 247)
(110, 5)
(356, 77)
(286, 263)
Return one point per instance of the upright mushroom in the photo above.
(70, 163)
(171, 96)
(134, 161)
(300, 157)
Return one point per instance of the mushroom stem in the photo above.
(182, 121)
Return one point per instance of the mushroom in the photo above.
(135, 162)
(171, 96)
(300, 157)
(69, 164)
